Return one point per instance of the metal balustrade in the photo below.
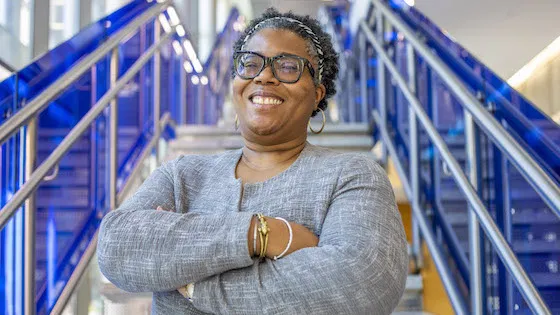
(139, 85)
(393, 65)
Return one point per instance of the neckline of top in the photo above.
(237, 158)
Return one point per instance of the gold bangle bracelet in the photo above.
(263, 232)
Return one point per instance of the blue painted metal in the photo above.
(524, 218)
(69, 209)
(531, 126)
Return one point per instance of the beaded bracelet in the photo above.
(263, 230)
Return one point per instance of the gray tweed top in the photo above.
(359, 267)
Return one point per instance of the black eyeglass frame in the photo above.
(269, 61)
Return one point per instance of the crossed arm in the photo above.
(358, 267)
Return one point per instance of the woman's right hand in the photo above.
(279, 237)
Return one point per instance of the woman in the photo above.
(327, 239)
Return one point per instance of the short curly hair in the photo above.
(273, 20)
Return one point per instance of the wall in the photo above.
(543, 87)
(504, 34)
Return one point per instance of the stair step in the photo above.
(411, 300)
(527, 247)
(64, 221)
(364, 143)
(520, 217)
(212, 139)
(211, 131)
(70, 196)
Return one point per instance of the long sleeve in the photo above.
(359, 267)
(140, 249)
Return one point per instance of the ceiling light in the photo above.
(188, 67)
(195, 80)
(180, 30)
(164, 23)
(173, 17)
(177, 47)
(192, 56)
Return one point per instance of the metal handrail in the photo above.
(31, 185)
(529, 168)
(28, 117)
(83, 264)
(34, 107)
(441, 265)
(497, 239)
(165, 120)
(54, 174)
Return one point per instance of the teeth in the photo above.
(266, 100)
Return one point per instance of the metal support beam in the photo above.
(85, 13)
(40, 27)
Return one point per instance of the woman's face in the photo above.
(272, 112)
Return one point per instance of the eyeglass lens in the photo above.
(285, 68)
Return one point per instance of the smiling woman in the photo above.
(273, 102)
(279, 226)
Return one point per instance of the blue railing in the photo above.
(117, 59)
(535, 130)
(523, 212)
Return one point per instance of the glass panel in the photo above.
(69, 208)
(66, 218)
(51, 66)
(128, 100)
(535, 232)
(528, 124)
(212, 87)
(11, 178)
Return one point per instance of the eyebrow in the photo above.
(279, 54)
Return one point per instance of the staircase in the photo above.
(528, 224)
(70, 206)
(204, 139)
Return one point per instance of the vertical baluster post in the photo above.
(414, 157)
(157, 86)
(473, 149)
(363, 77)
(30, 210)
(381, 88)
(113, 124)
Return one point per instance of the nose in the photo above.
(266, 77)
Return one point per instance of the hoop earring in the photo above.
(322, 127)
(236, 123)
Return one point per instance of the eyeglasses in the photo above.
(286, 68)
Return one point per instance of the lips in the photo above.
(265, 98)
